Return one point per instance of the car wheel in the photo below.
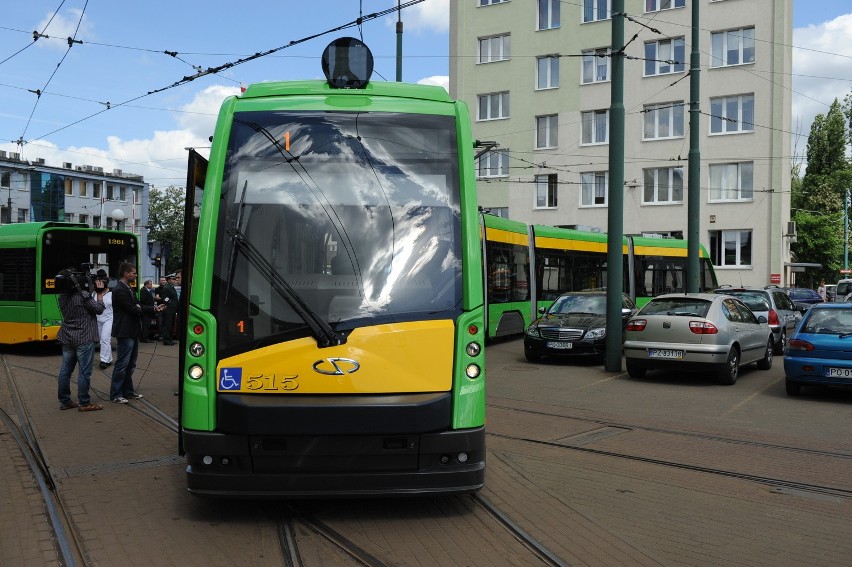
(782, 344)
(793, 388)
(634, 370)
(532, 357)
(765, 363)
(728, 372)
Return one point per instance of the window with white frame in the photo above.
(732, 47)
(547, 72)
(96, 189)
(545, 191)
(731, 114)
(22, 215)
(546, 131)
(69, 187)
(665, 56)
(596, 10)
(84, 218)
(5, 179)
(494, 48)
(493, 164)
(593, 188)
(110, 193)
(730, 248)
(84, 188)
(122, 193)
(502, 212)
(596, 65)
(595, 127)
(548, 14)
(493, 106)
(657, 5)
(70, 217)
(663, 121)
(663, 185)
(137, 196)
(732, 181)
(490, 2)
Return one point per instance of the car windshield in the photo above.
(829, 321)
(587, 304)
(682, 306)
(755, 300)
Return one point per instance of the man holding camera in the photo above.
(77, 335)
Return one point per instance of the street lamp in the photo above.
(118, 216)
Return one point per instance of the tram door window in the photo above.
(17, 274)
(508, 269)
(661, 275)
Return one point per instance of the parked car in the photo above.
(831, 292)
(697, 332)
(803, 297)
(574, 325)
(772, 303)
(843, 290)
(820, 350)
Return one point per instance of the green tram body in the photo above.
(32, 254)
(572, 260)
(362, 202)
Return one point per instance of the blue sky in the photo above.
(80, 116)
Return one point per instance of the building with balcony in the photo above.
(537, 77)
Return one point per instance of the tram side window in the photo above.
(508, 266)
(17, 274)
(563, 270)
(661, 275)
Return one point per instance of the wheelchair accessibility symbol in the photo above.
(230, 378)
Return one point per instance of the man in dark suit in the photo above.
(169, 297)
(146, 298)
(127, 329)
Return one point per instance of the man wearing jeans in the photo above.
(127, 329)
(78, 335)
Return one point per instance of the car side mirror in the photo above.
(761, 319)
(542, 310)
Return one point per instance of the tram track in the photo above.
(69, 546)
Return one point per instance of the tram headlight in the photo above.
(196, 372)
(473, 349)
(196, 349)
(472, 371)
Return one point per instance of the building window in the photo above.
(548, 14)
(657, 5)
(732, 47)
(732, 181)
(665, 56)
(663, 185)
(69, 187)
(732, 114)
(5, 179)
(502, 212)
(96, 221)
(663, 121)
(547, 72)
(122, 193)
(596, 65)
(593, 188)
(546, 131)
(84, 218)
(110, 193)
(545, 191)
(494, 164)
(596, 10)
(69, 217)
(493, 106)
(595, 128)
(494, 48)
(730, 247)
(22, 215)
(490, 2)
(84, 188)
(137, 196)
(96, 190)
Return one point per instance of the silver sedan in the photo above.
(697, 332)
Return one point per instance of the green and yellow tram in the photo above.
(32, 254)
(335, 321)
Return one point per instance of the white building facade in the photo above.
(537, 77)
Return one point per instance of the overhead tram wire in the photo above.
(214, 70)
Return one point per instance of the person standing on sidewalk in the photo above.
(77, 335)
(146, 297)
(169, 297)
(105, 319)
(127, 329)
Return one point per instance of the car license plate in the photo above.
(838, 372)
(560, 345)
(664, 353)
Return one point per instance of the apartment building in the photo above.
(537, 77)
(32, 190)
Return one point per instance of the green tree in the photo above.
(165, 219)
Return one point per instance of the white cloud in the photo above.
(429, 16)
(61, 27)
(440, 80)
(821, 72)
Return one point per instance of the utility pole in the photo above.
(846, 231)
(398, 42)
(693, 214)
(615, 199)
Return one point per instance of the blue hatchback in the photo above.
(820, 349)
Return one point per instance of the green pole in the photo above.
(398, 43)
(615, 228)
(693, 266)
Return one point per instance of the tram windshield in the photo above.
(357, 212)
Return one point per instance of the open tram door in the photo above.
(195, 177)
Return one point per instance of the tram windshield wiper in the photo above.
(322, 331)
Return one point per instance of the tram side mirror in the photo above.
(254, 305)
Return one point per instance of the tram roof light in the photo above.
(347, 63)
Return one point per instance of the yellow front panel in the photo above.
(396, 358)
(13, 333)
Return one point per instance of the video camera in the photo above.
(69, 281)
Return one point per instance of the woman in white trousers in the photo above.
(105, 330)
